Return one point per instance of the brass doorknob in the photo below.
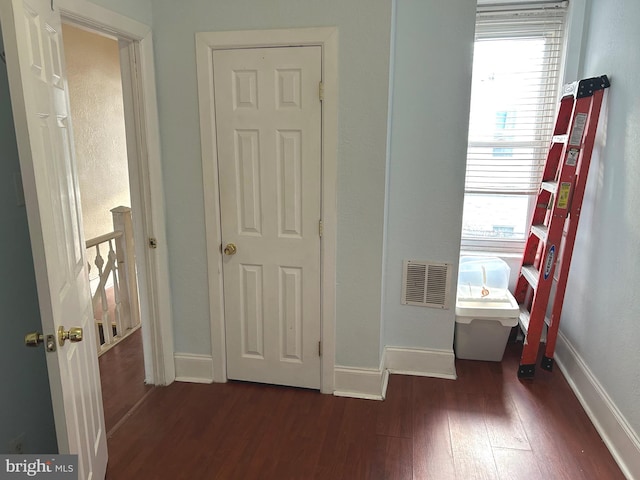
(230, 249)
(73, 335)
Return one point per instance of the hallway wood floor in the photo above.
(122, 379)
(485, 425)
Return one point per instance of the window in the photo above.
(514, 95)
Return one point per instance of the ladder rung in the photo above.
(531, 274)
(540, 231)
(559, 139)
(550, 186)
(524, 318)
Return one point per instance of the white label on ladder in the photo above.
(572, 156)
(579, 123)
(548, 264)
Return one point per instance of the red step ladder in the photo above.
(557, 210)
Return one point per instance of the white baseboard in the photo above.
(424, 363)
(193, 368)
(371, 383)
(367, 383)
(617, 434)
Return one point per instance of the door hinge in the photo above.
(320, 228)
(321, 91)
(153, 243)
(320, 348)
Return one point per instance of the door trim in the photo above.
(145, 170)
(327, 39)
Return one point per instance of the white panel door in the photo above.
(268, 121)
(40, 104)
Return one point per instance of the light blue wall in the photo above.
(25, 399)
(601, 309)
(429, 123)
(139, 10)
(364, 27)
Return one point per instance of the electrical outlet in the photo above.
(16, 446)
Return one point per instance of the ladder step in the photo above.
(531, 274)
(550, 186)
(560, 139)
(524, 318)
(540, 231)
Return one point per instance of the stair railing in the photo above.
(115, 298)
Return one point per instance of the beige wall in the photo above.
(95, 89)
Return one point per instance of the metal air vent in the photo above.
(426, 284)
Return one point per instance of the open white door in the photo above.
(35, 65)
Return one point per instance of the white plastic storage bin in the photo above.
(479, 277)
(483, 323)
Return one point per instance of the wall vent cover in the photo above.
(426, 284)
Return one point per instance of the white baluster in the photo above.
(106, 321)
(113, 264)
(93, 308)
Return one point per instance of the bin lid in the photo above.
(494, 306)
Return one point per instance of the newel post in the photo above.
(125, 253)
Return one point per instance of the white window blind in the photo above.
(516, 75)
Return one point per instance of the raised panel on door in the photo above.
(247, 179)
(290, 309)
(251, 311)
(289, 165)
(41, 112)
(268, 132)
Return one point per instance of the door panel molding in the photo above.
(206, 43)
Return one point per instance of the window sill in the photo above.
(465, 252)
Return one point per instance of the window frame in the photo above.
(553, 39)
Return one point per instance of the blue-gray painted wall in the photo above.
(25, 398)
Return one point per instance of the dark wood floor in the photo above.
(122, 378)
(485, 425)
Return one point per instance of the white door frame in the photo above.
(327, 39)
(145, 173)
